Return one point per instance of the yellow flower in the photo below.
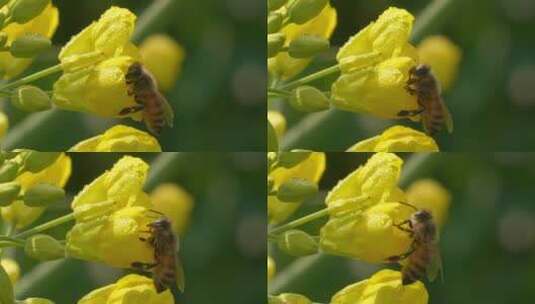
(283, 66)
(443, 56)
(384, 287)
(271, 268)
(177, 204)
(44, 24)
(119, 139)
(430, 195)
(57, 174)
(278, 122)
(375, 66)
(110, 233)
(397, 139)
(12, 269)
(95, 62)
(293, 298)
(4, 124)
(310, 169)
(163, 57)
(130, 289)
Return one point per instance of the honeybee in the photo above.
(142, 86)
(167, 269)
(423, 257)
(434, 113)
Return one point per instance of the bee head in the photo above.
(421, 70)
(423, 216)
(135, 70)
(162, 223)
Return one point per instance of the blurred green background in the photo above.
(219, 99)
(223, 250)
(492, 100)
(487, 243)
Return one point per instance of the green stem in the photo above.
(309, 78)
(30, 78)
(300, 221)
(48, 225)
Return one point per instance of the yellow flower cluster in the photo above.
(397, 139)
(119, 139)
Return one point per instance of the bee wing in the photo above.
(180, 277)
(168, 112)
(448, 120)
(435, 265)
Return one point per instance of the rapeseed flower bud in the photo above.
(22, 11)
(35, 301)
(302, 11)
(289, 298)
(6, 287)
(291, 159)
(296, 189)
(119, 138)
(275, 42)
(276, 4)
(12, 269)
(375, 65)
(44, 248)
(44, 24)
(309, 99)
(8, 193)
(306, 46)
(30, 99)
(297, 243)
(430, 195)
(384, 287)
(4, 124)
(9, 171)
(57, 174)
(95, 62)
(132, 288)
(274, 22)
(109, 233)
(176, 203)
(271, 268)
(272, 140)
(397, 139)
(29, 45)
(163, 57)
(278, 122)
(43, 195)
(283, 65)
(35, 161)
(443, 56)
(310, 169)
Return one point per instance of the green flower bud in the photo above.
(8, 193)
(275, 43)
(276, 4)
(309, 99)
(8, 171)
(6, 288)
(306, 46)
(35, 301)
(297, 243)
(2, 158)
(292, 159)
(43, 195)
(43, 247)
(3, 37)
(296, 190)
(31, 99)
(29, 45)
(273, 142)
(23, 11)
(2, 20)
(37, 161)
(301, 11)
(274, 22)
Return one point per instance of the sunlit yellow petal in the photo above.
(278, 122)
(119, 139)
(397, 139)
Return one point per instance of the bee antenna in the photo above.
(409, 205)
(154, 214)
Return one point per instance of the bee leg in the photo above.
(143, 266)
(397, 258)
(408, 113)
(132, 109)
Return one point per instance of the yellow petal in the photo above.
(443, 56)
(130, 289)
(177, 205)
(163, 57)
(278, 122)
(384, 287)
(397, 139)
(12, 269)
(44, 24)
(284, 66)
(119, 139)
(271, 268)
(377, 180)
(4, 124)
(378, 91)
(430, 195)
(368, 236)
(57, 174)
(311, 169)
